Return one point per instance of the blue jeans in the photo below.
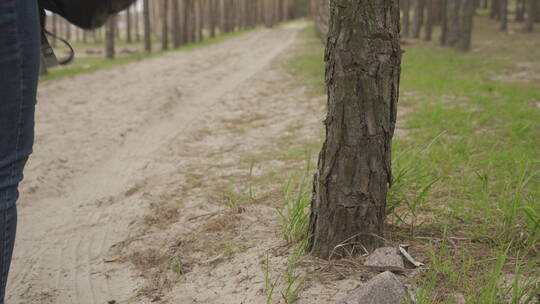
(19, 69)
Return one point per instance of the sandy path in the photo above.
(104, 144)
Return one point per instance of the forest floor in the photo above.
(174, 179)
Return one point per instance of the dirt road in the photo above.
(110, 145)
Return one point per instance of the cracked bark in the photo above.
(363, 59)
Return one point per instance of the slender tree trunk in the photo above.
(495, 9)
(109, 37)
(67, 29)
(532, 8)
(406, 18)
(213, 16)
(200, 19)
(128, 25)
(175, 17)
(54, 28)
(147, 29)
(467, 19)
(444, 22)
(363, 58)
(418, 17)
(165, 25)
(503, 15)
(520, 10)
(453, 23)
(137, 26)
(430, 7)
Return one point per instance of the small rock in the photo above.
(385, 257)
(385, 288)
(458, 298)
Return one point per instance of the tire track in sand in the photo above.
(119, 119)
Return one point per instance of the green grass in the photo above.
(94, 63)
(467, 174)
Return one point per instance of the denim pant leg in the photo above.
(19, 68)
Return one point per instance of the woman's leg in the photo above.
(19, 67)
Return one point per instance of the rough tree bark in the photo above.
(363, 58)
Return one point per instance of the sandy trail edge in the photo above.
(97, 135)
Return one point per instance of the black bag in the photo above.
(86, 14)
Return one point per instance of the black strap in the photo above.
(71, 51)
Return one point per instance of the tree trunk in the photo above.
(321, 14)
(418, 17)
(165, 25)
(453, 10)
(147, 30)
(128, 25)
(175, 16)
(137, 26)
(444, 22)
(212, 19)
(109, 37)
(54, 29)
(406, 18)
(67, 29)
(430, 19)
(192, 21)
(495, 9)
(520, 10)
(503, 15)
(467, 19)
(200, 19)
(532, 8)
(363, 58)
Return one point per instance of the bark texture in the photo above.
(363, 58)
